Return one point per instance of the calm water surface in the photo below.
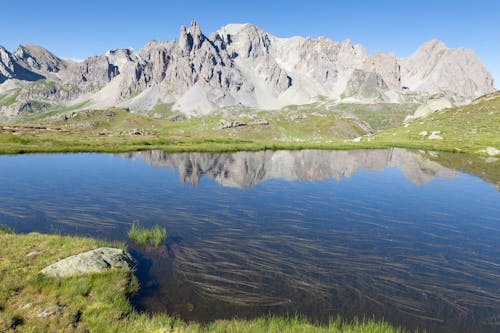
(393, 234)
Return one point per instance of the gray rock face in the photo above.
(36, 58)
(96, 70)
(240, 64)
(365, 85)
(387, 67)
(436, 68)
(94, 261)
(11, 69)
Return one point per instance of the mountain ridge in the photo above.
(239, 64)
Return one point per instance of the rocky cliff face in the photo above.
(10, 68)
(436, 68)
(241, 64)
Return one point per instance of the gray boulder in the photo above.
(94, 261)
(223, 124)
(491, 151)
(136, 131)
(435, 135)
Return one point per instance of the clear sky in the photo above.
(78, 29)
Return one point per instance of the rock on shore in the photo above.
(94, 261)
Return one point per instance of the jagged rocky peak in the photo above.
(241, 64)
(386, 66)
(191, 37)
(6, 58)
(431, 46)
(435, 68)
(252, 41)
(6, 65)
(121, 57)
(96, 70)
(37, 58)
(11, 69)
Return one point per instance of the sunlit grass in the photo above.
(467, 128)
(143, 236)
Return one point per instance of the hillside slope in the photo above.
(471, 127)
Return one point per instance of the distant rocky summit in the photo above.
(240, 64)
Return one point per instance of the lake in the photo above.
(411, 237)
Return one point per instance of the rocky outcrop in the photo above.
(94, 261)
(365, 85)
(435, 135)
(223, 124)
(428, 108)
(387, 67)
(435, 68)
(240, 64)
(38, 59)
(11, 69)
(491, 151)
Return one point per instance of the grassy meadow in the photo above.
(469, 128)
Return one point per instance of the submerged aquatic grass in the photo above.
(143, 236)
(5, 229)
(98, 302)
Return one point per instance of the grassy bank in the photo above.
(468, 128)
(99, 303)
(74, 142)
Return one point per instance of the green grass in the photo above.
(9, 99)
(140, 235)
(164, 110)
(99, 302)
(468, 128)
(38, 116)
(379, 116)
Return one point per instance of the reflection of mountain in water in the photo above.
(246, 169)
(418, 257)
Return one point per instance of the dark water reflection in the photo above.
(384, 233)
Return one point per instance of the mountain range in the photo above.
(238, 65)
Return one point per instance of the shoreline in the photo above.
(210, 147)
(100, 301)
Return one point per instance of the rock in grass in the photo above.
(223, 124)
(94, 261)
(491, 151)
(423, 133)
(435, 136)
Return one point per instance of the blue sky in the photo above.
(78, 29)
